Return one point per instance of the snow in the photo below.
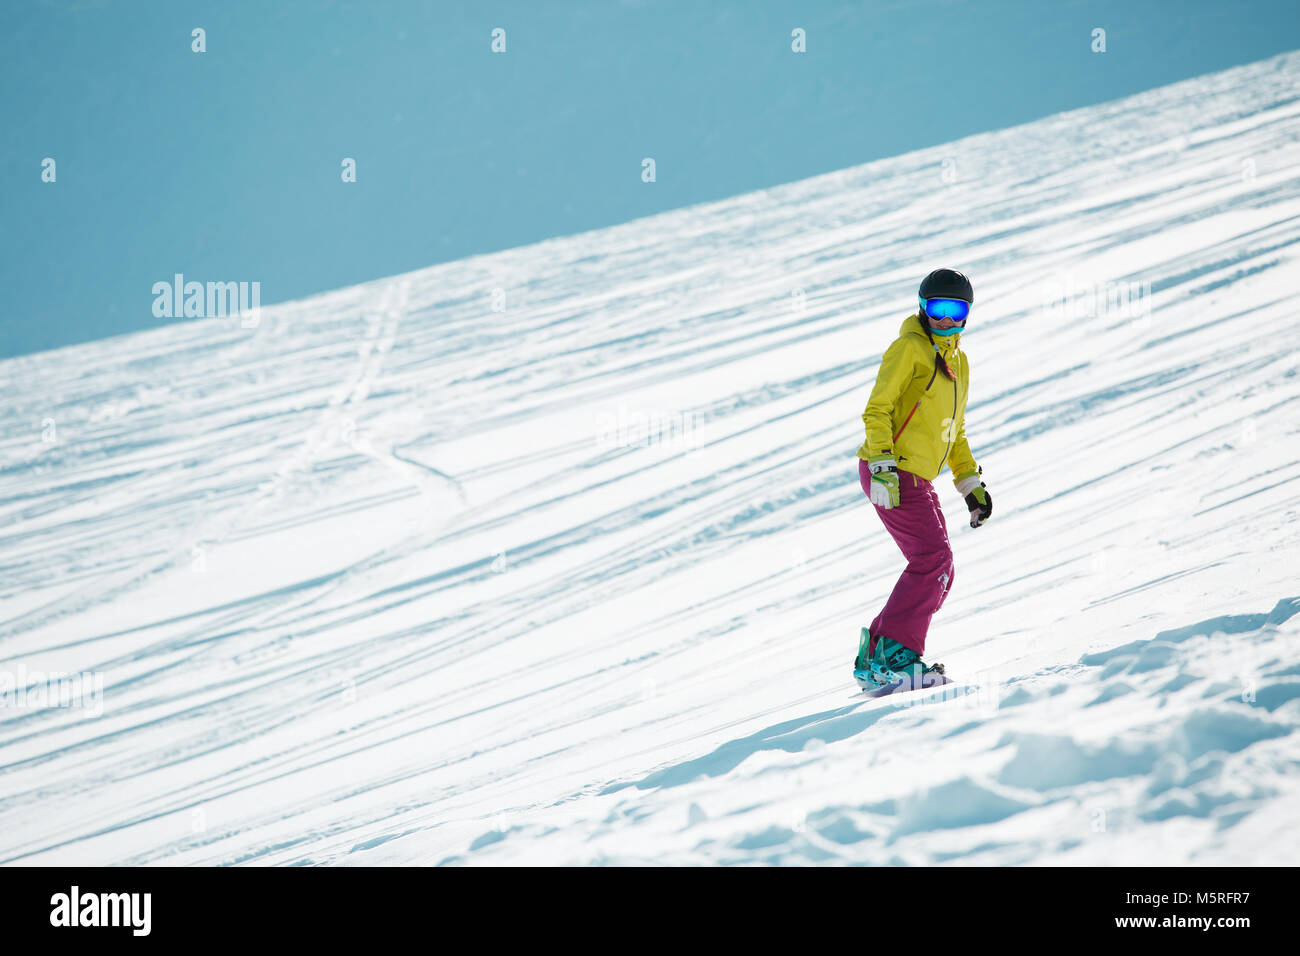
(395, 576)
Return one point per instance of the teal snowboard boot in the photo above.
(882, 661)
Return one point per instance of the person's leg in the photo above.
(945, 577)
(918, 528)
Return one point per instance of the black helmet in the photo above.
(947, 284)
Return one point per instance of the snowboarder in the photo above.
(915, 424)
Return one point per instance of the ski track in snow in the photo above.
(370, 583)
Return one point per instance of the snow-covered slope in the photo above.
(397, 576)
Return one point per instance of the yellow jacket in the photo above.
(915, 412)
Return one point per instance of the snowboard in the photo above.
(931, 679)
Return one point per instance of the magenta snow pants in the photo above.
(918, 529)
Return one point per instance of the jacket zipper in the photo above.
(948, 447)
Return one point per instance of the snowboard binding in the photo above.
(882, 662)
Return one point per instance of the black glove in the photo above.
(980, 504)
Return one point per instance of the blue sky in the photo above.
(225, 165)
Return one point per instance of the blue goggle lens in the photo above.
(955, 309)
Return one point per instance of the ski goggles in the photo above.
(955, 309)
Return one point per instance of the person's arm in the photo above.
(966, 477)
(965, 473)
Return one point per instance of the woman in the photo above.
(915, 422)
